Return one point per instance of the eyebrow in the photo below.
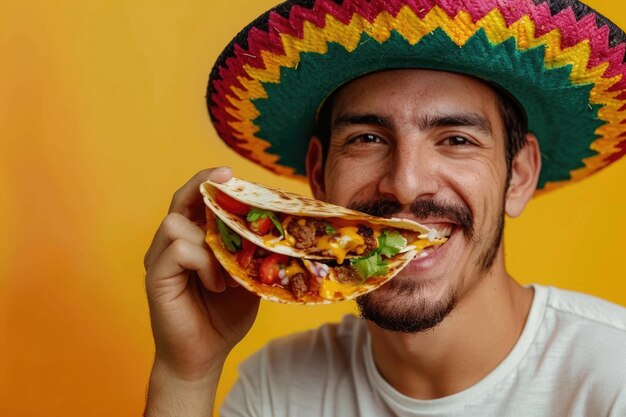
(427, 122)
(459, 119)
(350, 119)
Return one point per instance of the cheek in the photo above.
(348, 180)
(472, 179)
(478, 183)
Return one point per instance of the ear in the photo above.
(524, 176)
(315, 168)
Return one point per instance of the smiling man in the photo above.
(443, 164)
(433, 111)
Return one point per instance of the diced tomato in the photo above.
(268, 271)
(231, 205)
(244, 257)
(261, 226)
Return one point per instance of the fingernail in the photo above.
(223, 170)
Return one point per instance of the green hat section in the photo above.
(565, 127)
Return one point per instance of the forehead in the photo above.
(410, 93)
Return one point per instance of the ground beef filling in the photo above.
(410, 235)
(367, 233)
(303, 283)
(306, 231)
(298, 285)
(347, 275)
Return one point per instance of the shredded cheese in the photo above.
(339, 246)
(294, 269)
(331, 290)
(424, 243)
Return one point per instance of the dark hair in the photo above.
(515, 127)
(511, 112)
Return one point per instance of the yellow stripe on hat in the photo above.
(413, 28)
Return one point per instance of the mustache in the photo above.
(422, 208)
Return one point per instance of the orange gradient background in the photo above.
(102, 118)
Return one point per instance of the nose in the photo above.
(411, 173)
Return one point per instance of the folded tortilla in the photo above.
(348, 240)
(327, 288)
(345, 254)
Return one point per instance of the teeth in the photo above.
(435, 234)
(446, 231)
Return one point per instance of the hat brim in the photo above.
(263, 99)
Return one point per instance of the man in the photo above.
(402, 130)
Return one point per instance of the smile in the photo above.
(432, 255)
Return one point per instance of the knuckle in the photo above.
(177, 195)
(181, 248)
(171, 223)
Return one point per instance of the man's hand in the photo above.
(198, 313)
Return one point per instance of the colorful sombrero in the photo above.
(563, 61)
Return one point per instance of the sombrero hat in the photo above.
(561, 60)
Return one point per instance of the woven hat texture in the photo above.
(561, 60)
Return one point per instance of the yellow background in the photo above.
(102, 117)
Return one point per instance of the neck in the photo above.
(469, 344)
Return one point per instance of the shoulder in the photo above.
(584, 338)
(587, 310)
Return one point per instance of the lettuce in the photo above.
(230, 239)
(370, 266)
(390, 242)
(256, 213)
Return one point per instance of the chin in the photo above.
(409, 305)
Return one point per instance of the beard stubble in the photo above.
(401, 305)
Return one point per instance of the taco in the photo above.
(294, 280)
(302, 227)
(292, 249)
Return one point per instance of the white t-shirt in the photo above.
(570, 360)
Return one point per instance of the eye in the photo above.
(457, 141)
(366, 138)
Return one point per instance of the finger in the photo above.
(188, 200)
(174, 226)
(169, 272)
